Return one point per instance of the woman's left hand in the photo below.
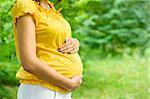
(70, 46)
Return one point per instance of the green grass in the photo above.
(125, 78)
(111, 78)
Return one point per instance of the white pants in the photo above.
(30, 91)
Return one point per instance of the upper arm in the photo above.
(25, 27)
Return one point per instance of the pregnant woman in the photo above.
(51, 67)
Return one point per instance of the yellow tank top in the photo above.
(51, 31)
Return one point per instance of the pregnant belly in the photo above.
(67, 64)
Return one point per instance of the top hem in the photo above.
(47, 85)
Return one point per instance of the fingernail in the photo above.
(69, 52)
(59, 49)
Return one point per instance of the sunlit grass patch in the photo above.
(124, 78)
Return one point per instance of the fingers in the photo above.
(67, 47)
(76, 41)
(77, 80)
(71, 46)
(69, 50)
(80, 79)
(74, 51)
(77, 77)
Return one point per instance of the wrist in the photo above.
(67, 84)
(70, 85)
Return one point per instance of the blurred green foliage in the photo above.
(120, 26)
(8, 82)
(7, 73)
(7, 48)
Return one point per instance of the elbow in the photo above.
(28, 64)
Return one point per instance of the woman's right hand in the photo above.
(75, 82)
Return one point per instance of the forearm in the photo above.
(46, 73)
